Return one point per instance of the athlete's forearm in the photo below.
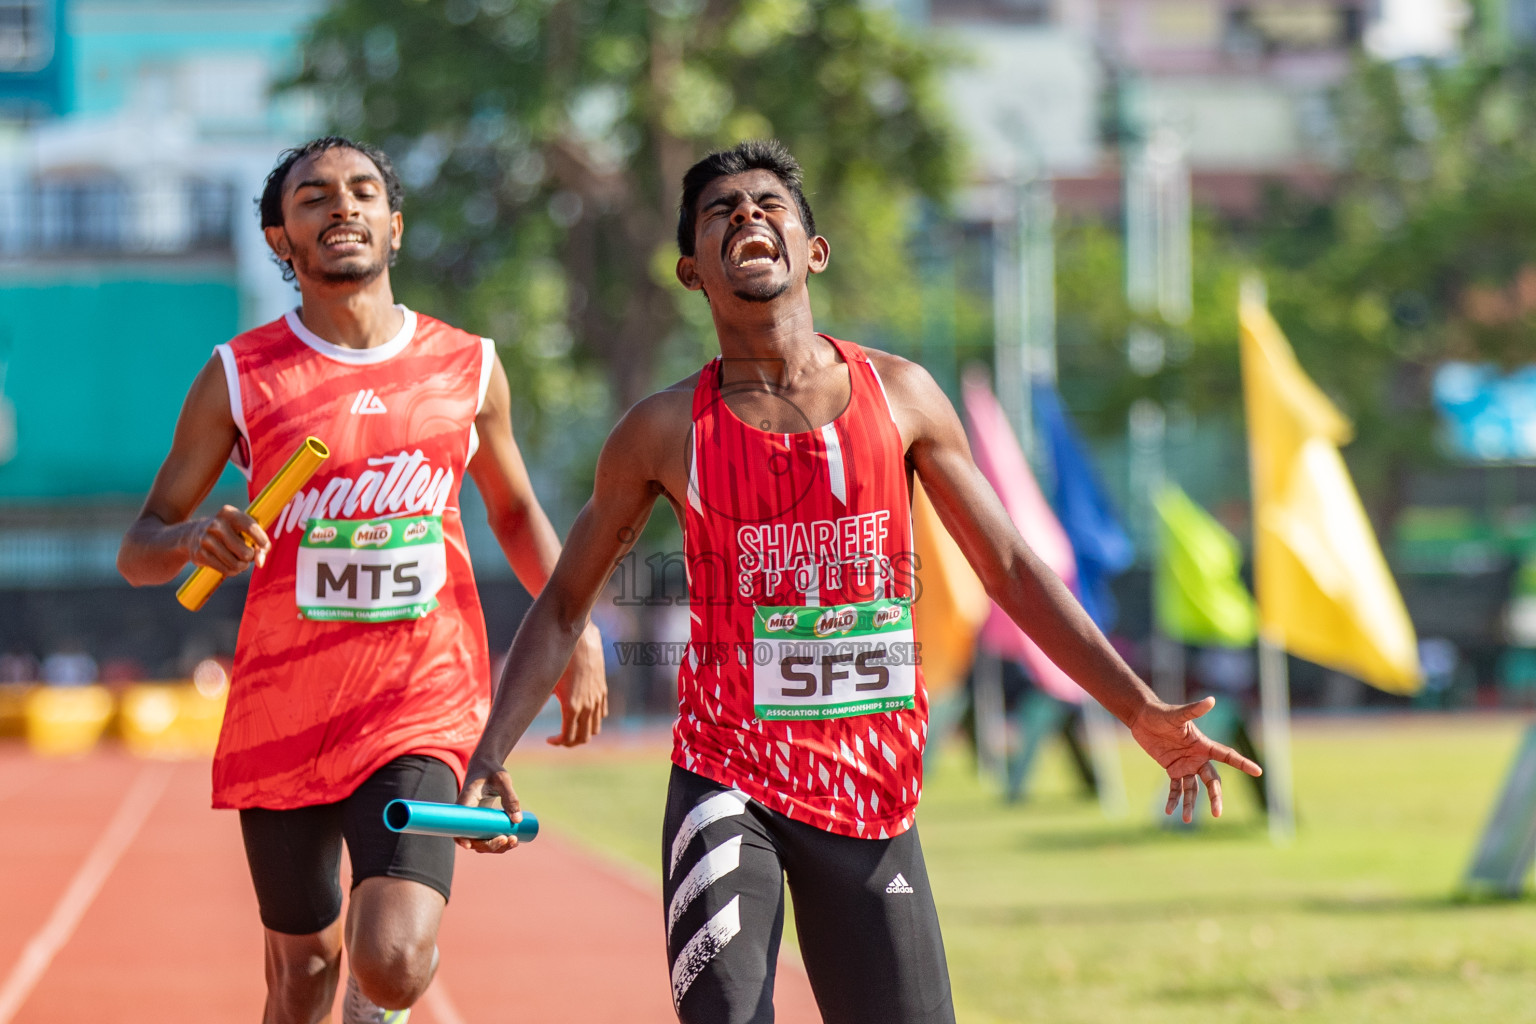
(1014, 576)
(532, 549)
(539, 654)
(1035, 598)
(529, 543)
(153, 551)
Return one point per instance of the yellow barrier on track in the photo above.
(13, 708)
(170, 721)
(66, 721)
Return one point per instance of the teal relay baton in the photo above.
(425, 818)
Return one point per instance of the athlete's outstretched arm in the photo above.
(626, 486)
(1036, 599)
(165, 537)
(531, 547)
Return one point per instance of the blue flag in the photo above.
(1099, 542)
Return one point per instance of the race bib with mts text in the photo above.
(370, 571)
(833, 662)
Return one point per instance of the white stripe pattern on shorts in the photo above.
(712, 867)
(705, 945)
(721, 805)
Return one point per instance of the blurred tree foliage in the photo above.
(1425, 255)
(1434, 232)
(1423, 251)
(542, 143)
(1199, 365)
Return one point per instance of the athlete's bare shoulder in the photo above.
(651, 438)
(896, 371)
(662, 411)
(684, 387)
(918, 404)
(206, 410)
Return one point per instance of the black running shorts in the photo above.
(295, 855)
(869, 934)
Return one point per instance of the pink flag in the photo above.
(1002, 462)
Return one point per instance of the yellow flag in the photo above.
(1324, 591)
(952, 604)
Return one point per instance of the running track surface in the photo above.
(124, 898)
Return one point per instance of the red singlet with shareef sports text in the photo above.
(362, 638)
(801, 684)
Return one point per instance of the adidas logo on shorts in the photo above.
(898, 884)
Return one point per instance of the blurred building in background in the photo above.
(134, 139)
(1242, 84)
(1138, 112)
(134, 135)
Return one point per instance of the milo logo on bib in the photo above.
(372, 535)
(376, 571)
(836, 620)
(853, 659)
(776, 623)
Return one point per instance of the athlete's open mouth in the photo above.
(343, 237)
(753, 249)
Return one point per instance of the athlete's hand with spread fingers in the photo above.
(583, 692)
(485, 785)
(227, 541)
(1167, 732)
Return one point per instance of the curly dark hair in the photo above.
(753, 155)
(270, 204)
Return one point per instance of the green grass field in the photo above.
(1051, 913)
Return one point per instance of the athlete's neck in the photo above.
(773, 342)
(359, 318)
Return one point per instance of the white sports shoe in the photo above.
(357, 1008)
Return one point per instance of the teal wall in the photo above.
(97, 366)
(113, 40)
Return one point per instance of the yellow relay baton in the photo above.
(301, 465)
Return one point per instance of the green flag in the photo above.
(1197, 595)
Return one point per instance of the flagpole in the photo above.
(1275, 697)
(1104, 751)
(991, 720)
(1274, 674)
(1168, 667)
(1036, 310)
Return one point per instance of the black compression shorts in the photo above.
(295, 855)
(869, 934)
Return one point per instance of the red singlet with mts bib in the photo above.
(801, 685)
(362, 638)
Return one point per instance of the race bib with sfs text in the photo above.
(833, 662)
(370, 571)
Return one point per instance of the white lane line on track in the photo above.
(441, 1007)
(93, 873)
